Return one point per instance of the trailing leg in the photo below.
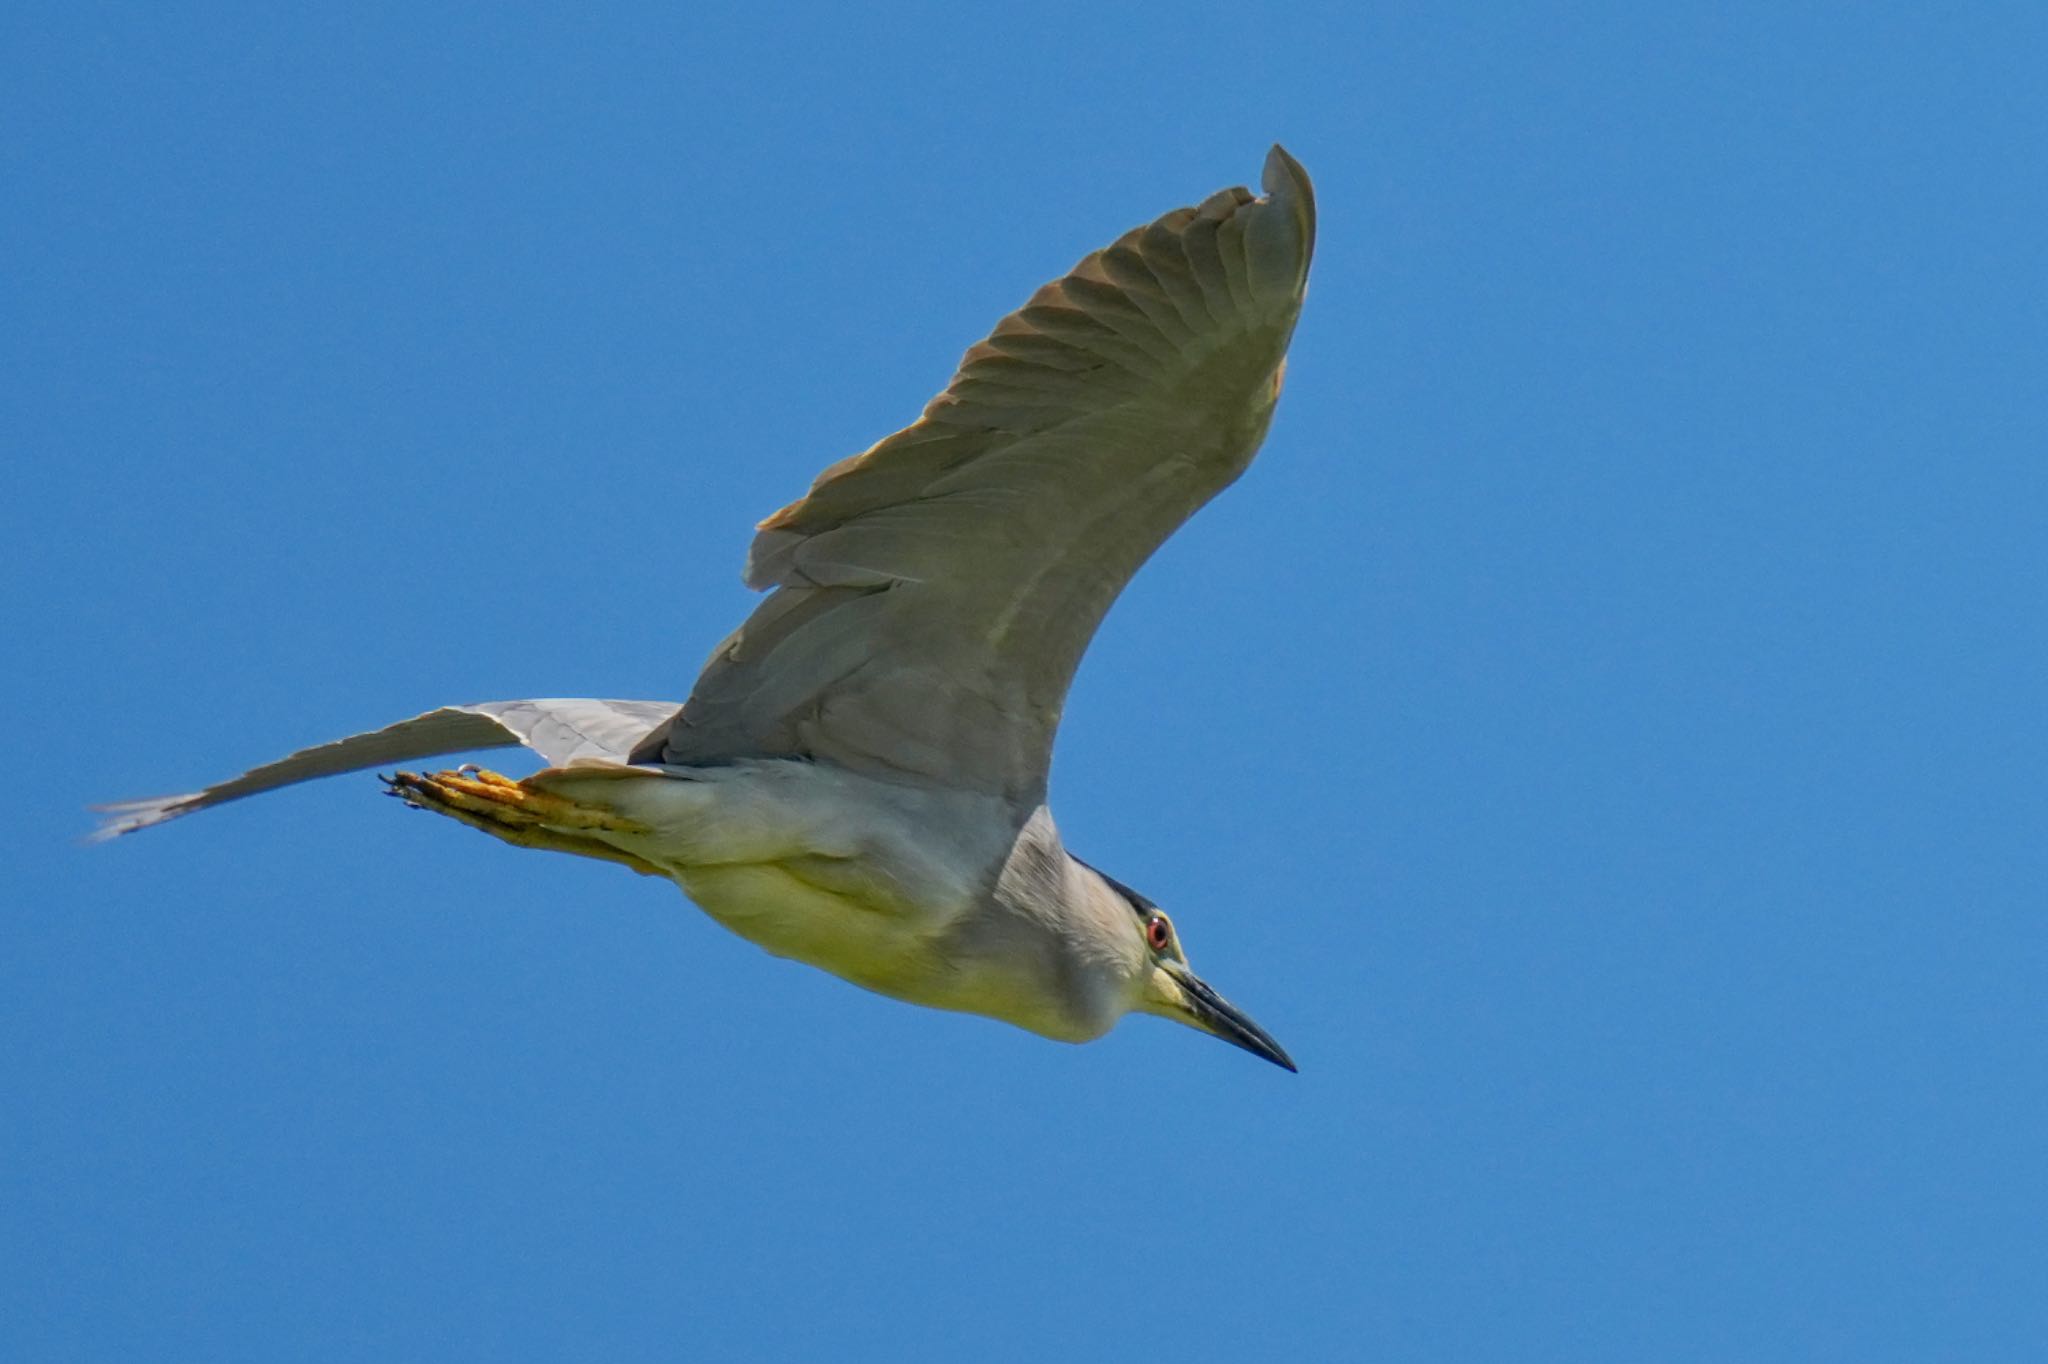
(519, 813)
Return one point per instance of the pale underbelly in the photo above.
(787, 914)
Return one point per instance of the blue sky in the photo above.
(1602, 737)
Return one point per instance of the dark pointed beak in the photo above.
(1214, 1014)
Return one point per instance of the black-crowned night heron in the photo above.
(858, 779)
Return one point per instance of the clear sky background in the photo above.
(1602, 737)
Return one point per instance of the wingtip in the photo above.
(1280, 167)
(1280, 234)
(1285, 181)
(126, 816)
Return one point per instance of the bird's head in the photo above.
(1166, 986)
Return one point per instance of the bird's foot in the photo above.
(496, 798)
(518, 813)
(468, 789)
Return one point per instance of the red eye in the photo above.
(1157, 933)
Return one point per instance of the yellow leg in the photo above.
(517, 813)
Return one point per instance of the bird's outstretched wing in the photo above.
(560, 730)
(934, 594)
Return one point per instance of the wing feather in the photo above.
(932, 595)
(560, 730)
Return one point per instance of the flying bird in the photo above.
(858, 778)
